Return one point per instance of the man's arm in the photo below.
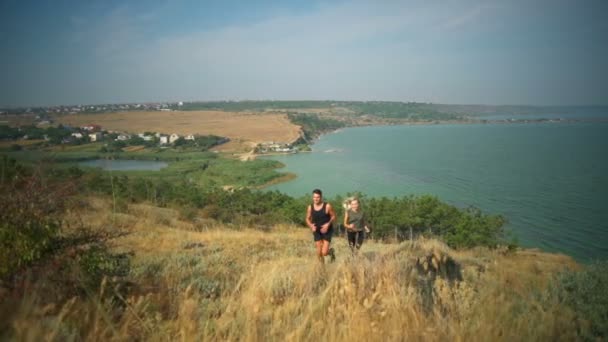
(309, 219)
(332, 216)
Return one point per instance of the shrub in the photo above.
(97, 262)
(188, 213)
(586, 292)
(211, 211)
(30, 217)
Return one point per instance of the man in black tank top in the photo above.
(319, 218)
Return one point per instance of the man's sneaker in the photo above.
(332, 255)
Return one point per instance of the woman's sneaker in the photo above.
(332, 255)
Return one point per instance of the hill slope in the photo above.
(199, 280)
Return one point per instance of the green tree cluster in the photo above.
(313, 125)
(55, 135)
(391, 218)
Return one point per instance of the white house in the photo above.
(95, 136)
(91, 127)
(123, 137)
(189, 137)
(145, 137)
(173, 137)
(164, 140)
(77, 135)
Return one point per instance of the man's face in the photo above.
(316, 198)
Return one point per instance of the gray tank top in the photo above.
(356, 218)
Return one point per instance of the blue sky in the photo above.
(539, 52)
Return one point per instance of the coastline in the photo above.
(282, 179)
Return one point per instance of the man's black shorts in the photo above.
(327, 236)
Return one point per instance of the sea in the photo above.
(549, 179)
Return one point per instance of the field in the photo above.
(7, 143)
(17, 120)
(205, 281)
(240, 127)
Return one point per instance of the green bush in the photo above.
(188, 213)
(30, 216)
(97, 262)
(586, 293)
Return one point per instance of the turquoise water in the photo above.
(549, 180)
(125, 165)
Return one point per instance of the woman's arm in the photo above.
(346, 219)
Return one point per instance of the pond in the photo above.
(125, 165)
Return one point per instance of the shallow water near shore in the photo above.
(548, 179)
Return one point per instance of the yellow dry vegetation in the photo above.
(6, 143)
(239, 126)
(16, 120)
(134, 148)
(204, 281)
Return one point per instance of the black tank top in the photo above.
(319, 217)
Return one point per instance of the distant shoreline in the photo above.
(292, 176)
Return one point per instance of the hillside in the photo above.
(170, 279)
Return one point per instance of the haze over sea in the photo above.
(550, 180)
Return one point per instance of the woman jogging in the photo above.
(354, 222)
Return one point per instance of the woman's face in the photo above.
(354, 205)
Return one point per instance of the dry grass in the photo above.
(134, 148)
(214, 283)
(248, 127)
(16, 120)
(20, 142)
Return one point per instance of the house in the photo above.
(95, 136)
(91, 128)
(77, 135)
(190, 137)
(123, 137)
(173, 137)
(164, 140)
(146, 137)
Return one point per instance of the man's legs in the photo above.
(325, 249)
(328, 251)
(320, 254)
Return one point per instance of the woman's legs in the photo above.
(359, 240)
(355, 240)
(352, 239)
